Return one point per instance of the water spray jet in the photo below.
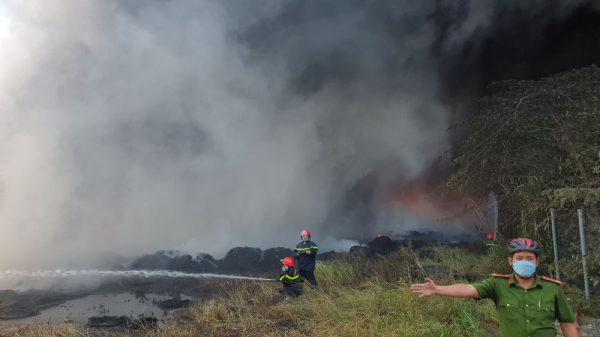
(126, 273)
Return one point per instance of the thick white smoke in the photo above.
(127, 127)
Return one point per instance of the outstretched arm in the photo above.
(429, 288)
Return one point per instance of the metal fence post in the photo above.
(552, 220)
(582, 238)
(495, 213)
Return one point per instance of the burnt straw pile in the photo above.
(255, 261)
(121, 322)
(238, 261)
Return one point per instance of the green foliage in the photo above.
(587, 307)
(474, 266)
(536, 144)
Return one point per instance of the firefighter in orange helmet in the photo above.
(306, 254)
(490, 243)
(292, 282)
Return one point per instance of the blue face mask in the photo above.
(524, 268)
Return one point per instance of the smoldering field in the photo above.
(127, 127)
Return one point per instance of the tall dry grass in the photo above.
(356, 297)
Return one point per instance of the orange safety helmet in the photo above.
(305, 232)
(490, 237)
(288, 261)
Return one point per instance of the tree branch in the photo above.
(517, 107)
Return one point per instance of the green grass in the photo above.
(356, 297)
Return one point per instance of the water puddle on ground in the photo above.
(79, 310)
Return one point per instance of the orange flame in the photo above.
(414, 197)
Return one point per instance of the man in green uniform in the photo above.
(527, 304)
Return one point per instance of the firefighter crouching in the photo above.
(291, 280)
(306, 254)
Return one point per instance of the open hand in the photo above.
(424, 289)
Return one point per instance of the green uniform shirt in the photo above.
(526, 312)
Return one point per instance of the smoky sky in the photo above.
(127, 127)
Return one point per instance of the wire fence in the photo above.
(573, 262)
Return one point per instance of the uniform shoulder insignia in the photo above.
(550, 280)
(500, 275)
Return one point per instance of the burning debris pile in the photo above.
(171, 260)
(239, 260)
(255, 261)
(385, 244)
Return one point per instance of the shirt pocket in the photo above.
(509, 310)
(545, 312)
